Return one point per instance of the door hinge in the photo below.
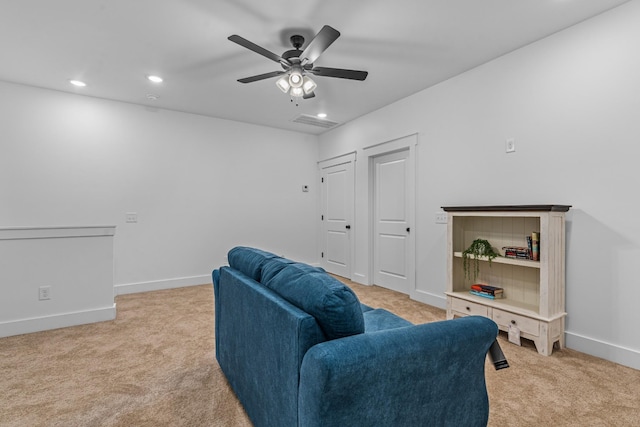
(321, 217)
(321, 254)
(322, 180)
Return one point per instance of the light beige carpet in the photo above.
(155, 366)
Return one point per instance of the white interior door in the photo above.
(337, 217)
(392, 201)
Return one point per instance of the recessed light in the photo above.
(155, 79)
(321, 115)
(77, 83)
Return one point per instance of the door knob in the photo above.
(408, 229)
(348, 227)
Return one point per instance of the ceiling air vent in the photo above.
(314, 121)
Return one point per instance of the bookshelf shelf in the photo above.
(534, 291)
(509, 261)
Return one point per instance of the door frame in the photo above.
(410, 143)
(328, 163)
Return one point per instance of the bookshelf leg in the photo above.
(544, 343)
(561, 340)
(543, 346)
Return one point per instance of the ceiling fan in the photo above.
(297, 64)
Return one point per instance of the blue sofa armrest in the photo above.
(430, 374)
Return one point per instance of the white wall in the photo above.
(199, 185)
(75, 266)
(572, 103)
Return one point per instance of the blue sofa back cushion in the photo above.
(335, 306)
(273, 266)
(249, 260)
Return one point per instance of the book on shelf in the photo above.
(484, 294)
(531, 251)
(518, 252)
(486, 291)
(535, 246)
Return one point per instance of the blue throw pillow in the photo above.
(334, 305)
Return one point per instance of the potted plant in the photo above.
(478, 248)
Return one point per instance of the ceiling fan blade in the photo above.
(339, 73)
(308, 95)
(261, 77)
(258, 49)
(319, 44)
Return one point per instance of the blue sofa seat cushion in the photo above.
(249, 260)
(335, 306)
(381, 320)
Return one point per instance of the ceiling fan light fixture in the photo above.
(297, 92)
(283, 84)
(295, 77)
(295, 80)
(308, 85)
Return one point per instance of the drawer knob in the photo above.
(513, 322)
(468, 308)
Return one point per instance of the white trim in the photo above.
(338, 160)
(434, 300)
(396, 143)
(360, 279)
(56, 321)
(158, 285)
(18, 233)
(605, 350)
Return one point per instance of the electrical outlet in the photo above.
(44, 293)
(441, 218)
(510, 145)
(131, 217)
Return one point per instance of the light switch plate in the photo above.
(441, 218)
(131, 217)
(510, 145)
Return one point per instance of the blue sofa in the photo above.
(299, 349)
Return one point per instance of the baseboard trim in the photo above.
(158, 285)
(359, 278)
(56, 321)
(430, 299)
(605, 350)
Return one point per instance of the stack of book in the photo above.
(516, 252)
(486, 291)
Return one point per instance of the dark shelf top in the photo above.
(509, 208)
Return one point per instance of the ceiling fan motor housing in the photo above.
(297, 41)
(293, 55)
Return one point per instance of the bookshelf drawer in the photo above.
(468, 308)
(525, 324)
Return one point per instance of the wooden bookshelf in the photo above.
(534, 291)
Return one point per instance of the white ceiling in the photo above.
(405, 45)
